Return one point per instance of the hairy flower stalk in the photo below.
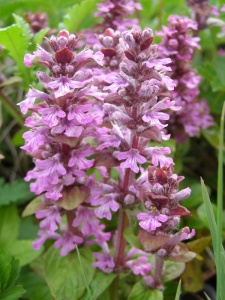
(179, 45)
(63, 117)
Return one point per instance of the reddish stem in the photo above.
(70, 218)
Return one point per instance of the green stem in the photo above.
(12, 109)
(220, 208)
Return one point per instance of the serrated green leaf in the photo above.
(64, 274)
(21, 23)
(9, 224)
(9, 272)
(100, 283)
(77, 15)
(39, 36)
(15, 192)
(15, 42)
(140, 292)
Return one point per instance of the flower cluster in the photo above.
(179, 45)
(72, 130)
(114, 15)
(62, 119)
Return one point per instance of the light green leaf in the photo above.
(64, 275)
(15, 42)
(178, 293)
(141, 292)
(22, 250)
(21, 23)
(79, 15)
(32, 207)
(39, 36)
(173, 270)
(100, 283)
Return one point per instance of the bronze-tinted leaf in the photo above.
(158, 199)
(150, 242)
(72, 197)
(105, 159)
(153, 134)
(114, 99)
(181, 253)
(147, 43)
(180, 211)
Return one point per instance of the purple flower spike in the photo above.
(132, 157)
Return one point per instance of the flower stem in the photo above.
(158, 272)
(70, 217)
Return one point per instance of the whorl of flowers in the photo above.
(62, 118)
(200, 10)
(114, 15)
(115, 12)
(179, 45)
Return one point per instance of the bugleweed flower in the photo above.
(179, 45)
(62, 118)
(114, 15)
(200, 10)
(137, 116)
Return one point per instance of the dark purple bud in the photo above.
(129, 55)
(158, 200)
(64, 56)
(110, 52)
(161, 176)
(147, 43)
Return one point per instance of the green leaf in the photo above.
(21, 23)
(178, 293)
(141, 292)
(83, 19)
(173, 270)
(64, 275)
(9, 224)
(16, 192)
(100, 283)
(9, 273)
(22, 250)
(39, 36)
(35, 205)
(131, 238)
(13, 39)
(202, 214)
(35, 286)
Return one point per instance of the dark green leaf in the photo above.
(16, 192)
(9, 272)
(141, 292)
(9, 224)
